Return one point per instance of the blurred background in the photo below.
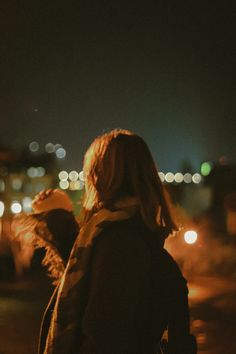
(71, 71)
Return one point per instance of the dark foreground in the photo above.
(212, 300)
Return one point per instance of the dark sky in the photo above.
(164, 69)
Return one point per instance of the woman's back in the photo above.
(132, 282)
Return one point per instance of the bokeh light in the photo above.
(63, 175)
(49, 147)
(197, 178)
(206, 168)
(61, 153)
(73, 176)
(187, 178)
(179, 177)
(64, 184)
(34, 146)
(190, 236)
(16, 207)
(169, 177)
(2, 208)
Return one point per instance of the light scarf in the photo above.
(71, 296)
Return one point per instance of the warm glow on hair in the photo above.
(119, 164)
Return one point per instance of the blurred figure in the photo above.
(120, 289)
(51, 226)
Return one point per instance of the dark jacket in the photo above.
(135, 291)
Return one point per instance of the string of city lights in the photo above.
(74, 180)
(50, 148)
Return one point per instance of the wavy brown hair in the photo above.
(119, 164)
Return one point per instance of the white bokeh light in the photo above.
(61, 153)
(190, 236)
(64, 184)
(179, 177)
(63, 175)
(169, 177)
(16, 207)
(2, 208)
(73, 176)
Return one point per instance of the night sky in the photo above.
(164, 69)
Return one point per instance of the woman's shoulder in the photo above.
(130, 236)
(127, 230)
(121, 238)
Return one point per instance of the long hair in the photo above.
(117, 165)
